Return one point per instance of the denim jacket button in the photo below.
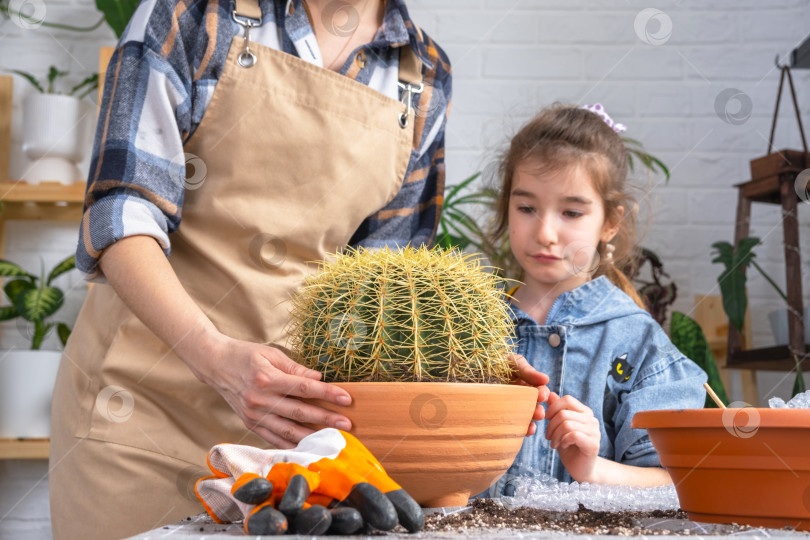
(554, 340)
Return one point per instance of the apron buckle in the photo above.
(407, 98)
(246, 58)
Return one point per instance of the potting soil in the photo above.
(488, 516)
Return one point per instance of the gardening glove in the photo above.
(329, 483)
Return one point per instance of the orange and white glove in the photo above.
(329, 483)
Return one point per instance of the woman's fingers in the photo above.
(289, 381)
(266, 389)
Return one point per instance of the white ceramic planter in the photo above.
(26, 383)
(779, 325)
(55, 137)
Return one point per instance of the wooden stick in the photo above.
(713, 395)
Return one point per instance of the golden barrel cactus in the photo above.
(403, 315)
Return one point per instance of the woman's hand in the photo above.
(263, 386)
(574, 432)
(526, 375)
(259, 382)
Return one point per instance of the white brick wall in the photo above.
(511, 57)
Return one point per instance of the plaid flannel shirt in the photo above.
(161, 79)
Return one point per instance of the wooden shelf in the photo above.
(49, 201)
(772, 358)
(20, 191)
(46, 201)
(24, 448)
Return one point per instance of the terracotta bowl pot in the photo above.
(442, 442)
(748, 466)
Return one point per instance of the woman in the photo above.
(323, 126)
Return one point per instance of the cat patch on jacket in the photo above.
(621, 369)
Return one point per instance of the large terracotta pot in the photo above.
(741, 465)
(442, 442)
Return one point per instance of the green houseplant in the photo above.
(48, 85)
(419, 339)
(27, 377)
(688, 337)
(34, 299)
(732, 282)
(56, 126)
(116, 13)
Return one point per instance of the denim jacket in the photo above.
(613, 357)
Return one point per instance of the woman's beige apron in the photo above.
(288, 161)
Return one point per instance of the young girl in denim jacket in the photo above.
(577, 317)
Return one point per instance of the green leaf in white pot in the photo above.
(8, 312)
(64, 266)
(9, 269)
(37, 304)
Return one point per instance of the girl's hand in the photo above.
(261, 384)
(574, 432)
(526, 375)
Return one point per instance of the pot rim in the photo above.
(718, 418)
(434, 384)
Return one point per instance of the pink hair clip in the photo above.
(597, 108)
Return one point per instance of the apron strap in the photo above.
(247, 14)
(410, 66)
(248, 9)
(410, 80)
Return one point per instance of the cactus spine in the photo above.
(404, 315)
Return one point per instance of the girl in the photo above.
(577, 317)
